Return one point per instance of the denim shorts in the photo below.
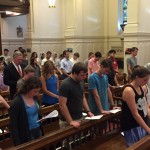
(133, 135)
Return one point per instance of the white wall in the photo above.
(137, 31)
(112, 21)
(45, 27)
(10, 24)
(144, 15)
(93, 17)
(82, 25)
(48, 22)
(9, 32)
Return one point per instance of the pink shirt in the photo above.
(115, 64)
(94, 65)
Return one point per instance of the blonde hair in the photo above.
(48, 68)
(17, 53)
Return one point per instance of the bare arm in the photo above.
(110, 97)
(145, 89)
(59, 70)
(64, 72)
(98, 101)
(116, 70)
(129, 69)
(57, 82)
(65, 112)
(44, 88)
(129, 97)
(4, 103)
(116, 81)
(86, 107)
(91, 71)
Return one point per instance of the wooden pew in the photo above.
(81, 136)
(117, 95)
(85, 87)
(52, 125)
(143, 144)
(5, 94)
(5, 139)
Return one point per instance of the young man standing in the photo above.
(93, 64)
(71, 97)
(111, 56)
(99, 93)
(6, 56)
(132, 61)
(66, 65)
(29, 72)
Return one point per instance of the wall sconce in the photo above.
(51, 3)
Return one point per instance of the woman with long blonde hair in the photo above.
(50, 84)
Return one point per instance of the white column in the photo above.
(137, 30)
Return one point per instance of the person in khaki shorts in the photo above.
(72, 99)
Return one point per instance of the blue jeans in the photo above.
(133, 135)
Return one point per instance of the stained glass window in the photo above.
(124, 11)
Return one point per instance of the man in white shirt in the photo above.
(75, 58)
(48, 56)
(66, 65)
(6, 56)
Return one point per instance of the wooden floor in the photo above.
(115, 142)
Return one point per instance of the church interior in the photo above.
(81, 26)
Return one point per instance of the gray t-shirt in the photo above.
(20, 83)
(132, 62)
(74, 92)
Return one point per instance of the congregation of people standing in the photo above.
(62, 81)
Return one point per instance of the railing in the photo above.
(48, 126)
(143, 144)
(71, 137)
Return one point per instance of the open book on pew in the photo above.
(84, 114)
(94, 117)
(115, 110)
(50, 115)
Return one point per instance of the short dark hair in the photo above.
(76, 54)
(48, 52)
(31, 83)
(98, 54)
(6, 49)
(1, 59)
(139, 71)
(65, 51)
(134, 49)
(90, 53)
(112, 51)
(79, 66)
(106, 63)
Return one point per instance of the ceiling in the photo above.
(11, 2)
